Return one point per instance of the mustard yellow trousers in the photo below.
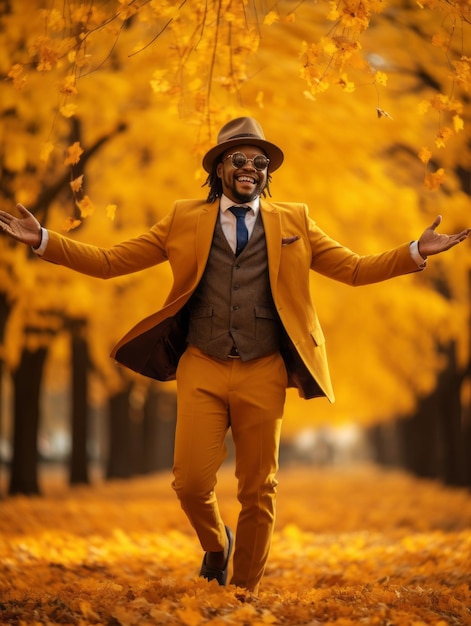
(247, 397)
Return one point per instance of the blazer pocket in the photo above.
(265, 312)
(286, 241)
(201, 323)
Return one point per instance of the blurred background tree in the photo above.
(105, 112)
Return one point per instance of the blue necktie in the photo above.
(241, 228)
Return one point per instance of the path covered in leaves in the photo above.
(351, 548)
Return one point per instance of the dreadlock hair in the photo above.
(215, 185)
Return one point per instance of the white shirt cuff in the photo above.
(416, 256)
(43, 245)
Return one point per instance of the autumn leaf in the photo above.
(70, 224)
(434, 180)
(423, 107)
(74, 153)
(380, 113)
(76, 184)
(111, 211)
(381, 78)
(347, 85)
(458, 123)
(270, 18)
(69, 85)
(86, 206)
(442, 136)
(46, 150)
(68, 110)
(16, 73)
(333, 15)
(425, 155)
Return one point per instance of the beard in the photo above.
(240, 196)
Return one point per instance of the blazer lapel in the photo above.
(204, 235)
(272, 225)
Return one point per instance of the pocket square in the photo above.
(287, 240)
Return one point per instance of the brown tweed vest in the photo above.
(232, 304)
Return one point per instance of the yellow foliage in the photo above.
(360, 177)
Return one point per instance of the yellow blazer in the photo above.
(295, 245)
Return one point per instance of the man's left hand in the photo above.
(431, 242)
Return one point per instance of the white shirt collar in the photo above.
(226, 203)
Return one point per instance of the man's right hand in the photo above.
(26, 229)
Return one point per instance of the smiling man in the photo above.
(238, 327)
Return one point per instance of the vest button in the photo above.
(235, 287)
(235, 307)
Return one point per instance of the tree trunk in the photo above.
(158, 429)
(451, 413)
(433, 438)
(27, 386)
(4, 312)
(120, 462)
(80, 365)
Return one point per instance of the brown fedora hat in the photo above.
(243, 130)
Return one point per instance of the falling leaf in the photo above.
(425, 155)
(270, 18)
(68, 110)
(347, 86)
(46, 150)
(458, 123)
(69, 85)
(86, 206)
(74, 153)
(16, 73)
(111, 211)
(70, 224)
(76, 184)
(381, 78)
(382, 113)
(423, 107)
(259, 99)
(442, 136)
(434, 180)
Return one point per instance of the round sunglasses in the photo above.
(239, 159)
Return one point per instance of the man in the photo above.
(237, 328)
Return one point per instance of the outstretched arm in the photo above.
(431, 242)
(26, 229)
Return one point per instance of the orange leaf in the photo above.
(76, 184)
(74, 153)
(433, 180)
(425, 154)
(70, 224)
(86, 206)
